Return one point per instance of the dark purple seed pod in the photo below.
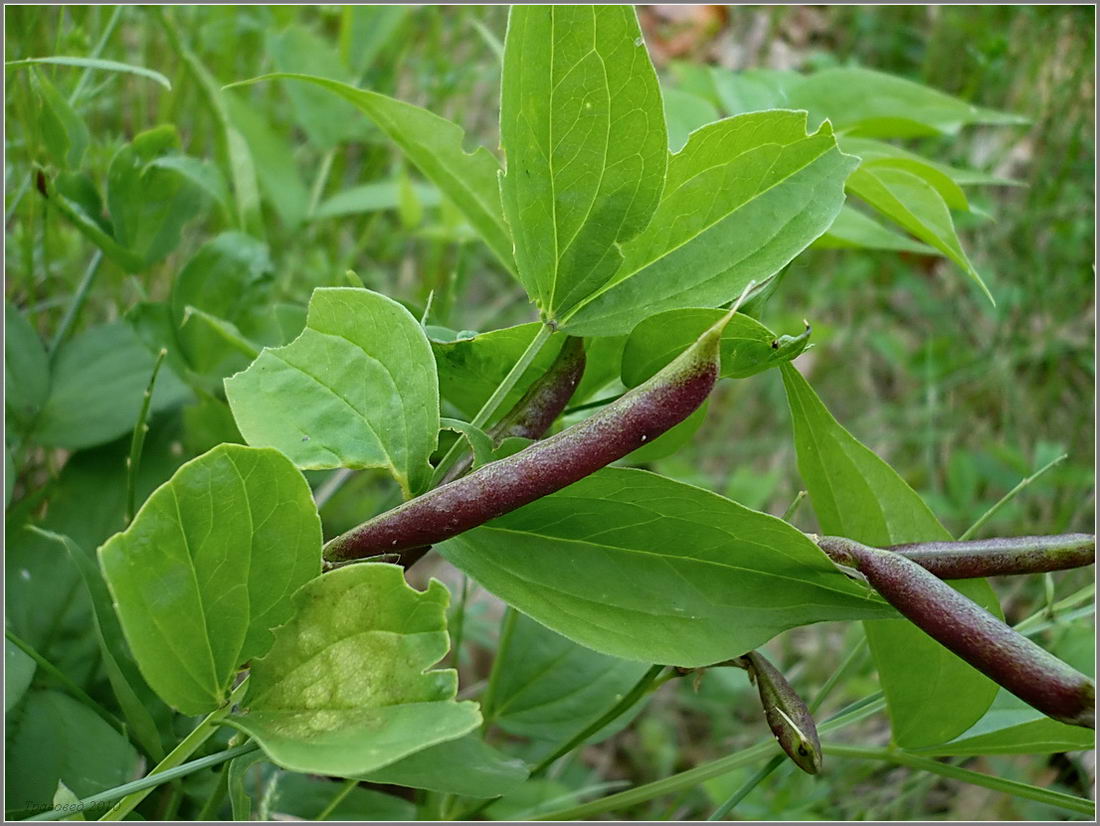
(543, 402)
(787, 714)
(635, 419)
(1007, 657)
(1002, 557)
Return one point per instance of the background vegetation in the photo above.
(963, 399)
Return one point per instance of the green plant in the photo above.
(211, 601)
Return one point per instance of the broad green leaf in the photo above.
(229, 277)
(932, 695)
(346, 688)
(18, 673)
(479, 441)
(583, 130)
(872, 104)
(638, 566)
(869, 149)
(237, 780)
(26, 371)
(471, 368)
(203, 174)
(356, 389)
(293, 796)
(550, 688)
(435, 146)
(52, 737)
(854, 229)
(99, 378)
(327, 121)
(275, 166)
(122, 674)
(684, 113)
(149, 204)
(603, 358)
(64, 797)
(365, 31)
(467, 766)
(950, 191)
(207, 568)
(744, 197)
(747, 346)
(917, 206)
(95, 63)
(63, 130)
(373, 197)
(753, 90)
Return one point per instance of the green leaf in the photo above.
(276, 168)
(229, 277)
(237, 781)
(854, 229)
(747, 347)
(752, 90)
(346, 690)
(203, 174)
(95, 63)
(684, 113)
(645, 568)
(18, 673)
(917, 206)
(871, 104)
(744, 197)
(64, 131)
(356, 389)
(932, 695)
(149, 204)
(551, 688)
(870, 150)
(122, 674)
(26, 371)
(99, 378)
(582, 126)
(326, 121)
(374, 197)
(294, 796)
(9, 476)
(434, 145)
(466, 766)
(478, 439)
(208, 567)
(75, 197)
(52, 738)
(470, 369)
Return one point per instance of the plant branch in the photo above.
(1004, 500)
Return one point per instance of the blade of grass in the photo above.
(1008, 497)
(889, 755)
(754, 781)
(133, 461)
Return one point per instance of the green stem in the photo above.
(319, 182)
(133, 461)
(150, 781)
(77, 692)
(188, 746)
(640, 689)
(77, 304)
(1000, 784)
(345, 790)
(792, 508)
(754, 781)
(716, 768)
(580, 408)
(831, 683)
(100, 45)
(1004, 500)
(488, 699)
(458, 622)
(494, 401)
(1031, 624)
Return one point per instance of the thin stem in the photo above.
(754, 781)
(640, 689)
(77, 692)
(1000, 784)
(792, 508)
(494, 401)
(589, 405)
(319, 182)
(188, 746)
(345, 790)
(77, 304)
(150, 781)
(97, 50)
(488, 699)
(1004, 500)
(133, 461)
(716, 768)
(842, 670)
(1030, 624)
(458, 622)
